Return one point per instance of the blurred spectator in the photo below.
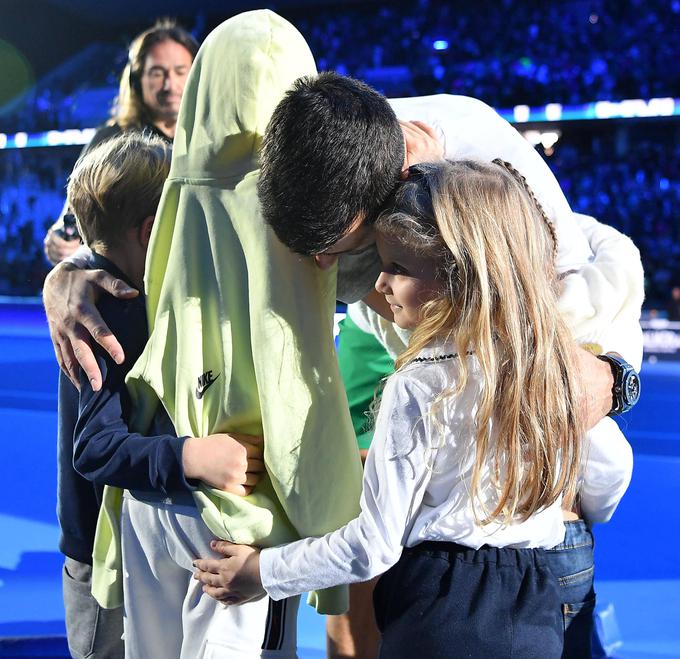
(629, 178)
(674, 304)
(151, 88)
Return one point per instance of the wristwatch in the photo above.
(626, 390)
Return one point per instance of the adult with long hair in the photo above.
(149, 95)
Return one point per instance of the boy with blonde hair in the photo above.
(114, 192)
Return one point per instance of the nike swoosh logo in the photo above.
(204, 383)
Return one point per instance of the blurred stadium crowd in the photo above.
(625, 173)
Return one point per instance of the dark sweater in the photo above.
(93, 437)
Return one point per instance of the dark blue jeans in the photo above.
(573, 564)
(443, 601)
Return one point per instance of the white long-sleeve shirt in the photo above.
(416, 487)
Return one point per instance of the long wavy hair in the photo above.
(495, 248)
(129, 110)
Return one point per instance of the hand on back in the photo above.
(230, 462)
(421, 144)
(69, 296)
(234, 579)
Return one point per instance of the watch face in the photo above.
(631, 389)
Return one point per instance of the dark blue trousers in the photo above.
(445, 601)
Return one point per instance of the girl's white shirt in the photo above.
(417, 482)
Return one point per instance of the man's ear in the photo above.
(145, 231)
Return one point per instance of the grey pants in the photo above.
(92, 632)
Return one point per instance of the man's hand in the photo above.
(421, 144)
(56, 248)
(234, 579)
(233, 463)
(596, 383)
(69, 295)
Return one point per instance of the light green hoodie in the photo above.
(225, 296)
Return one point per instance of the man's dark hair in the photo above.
(333, 150)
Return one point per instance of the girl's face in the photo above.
(407, 281)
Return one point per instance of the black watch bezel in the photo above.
(626, 389)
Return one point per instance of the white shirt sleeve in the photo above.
(393, 338)
(608, 467)
(395, 478)
(602, 301)
(471, 129)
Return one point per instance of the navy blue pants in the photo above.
(442, 600)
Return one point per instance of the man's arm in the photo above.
(472, 129)
(69, 295)
(606, 474)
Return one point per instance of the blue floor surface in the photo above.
(637, 569)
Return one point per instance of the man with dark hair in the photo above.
(352, 178)
(325, 175)
(150, 91)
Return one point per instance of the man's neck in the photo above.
(166, 126)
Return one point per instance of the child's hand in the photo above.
(234, 579)
(233, 463)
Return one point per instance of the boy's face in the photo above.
(407, 281)
(166, 68)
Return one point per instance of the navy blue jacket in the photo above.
(95, 447)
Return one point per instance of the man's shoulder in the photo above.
(427, 107)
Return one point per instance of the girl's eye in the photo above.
(398, 270)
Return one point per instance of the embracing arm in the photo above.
(69, 297)
(395, 479)
(608, 467)
(107, 452)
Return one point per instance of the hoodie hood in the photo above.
(238, 77)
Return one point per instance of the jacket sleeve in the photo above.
(602, 301)
(472, 129)
(107, 453)
(608, 467)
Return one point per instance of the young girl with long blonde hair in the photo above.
(477, 440)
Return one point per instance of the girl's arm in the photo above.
(398, 469)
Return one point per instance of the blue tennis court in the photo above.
(638, 574)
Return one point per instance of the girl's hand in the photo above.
(234, 579)
(233, 463)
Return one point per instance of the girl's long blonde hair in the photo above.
(496, 252)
